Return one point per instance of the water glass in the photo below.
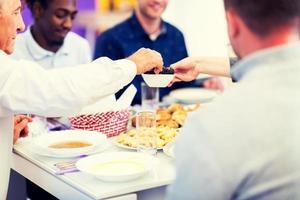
(146, 132)
(150, 97)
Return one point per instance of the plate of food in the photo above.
(117, 166)
(172, 116)
(69, 143)
(130, 140)
(169, 150)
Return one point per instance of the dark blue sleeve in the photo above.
(107, 46)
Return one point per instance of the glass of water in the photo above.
(150, 97)
(146, 132)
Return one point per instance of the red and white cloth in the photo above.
(110, 123)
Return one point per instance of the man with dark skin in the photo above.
(53, 21)
(50, 42)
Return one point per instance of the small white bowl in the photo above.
(158, 80)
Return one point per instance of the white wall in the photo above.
(203, 24)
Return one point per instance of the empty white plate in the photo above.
(75, 143)
(117, 166)
(193, 95)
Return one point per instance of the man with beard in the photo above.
(245, 145)
(50, 43)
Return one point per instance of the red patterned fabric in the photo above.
(110, 123)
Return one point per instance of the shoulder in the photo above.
(21, 39)
(116, 31)
(173, 29)
(20, 50)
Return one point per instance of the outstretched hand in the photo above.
(146, 60)
(185, 70)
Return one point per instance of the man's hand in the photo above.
(146, 60)
(185, 70)
(20, 126)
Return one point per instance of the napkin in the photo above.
(109, 103)
(126, 98)
(103, 105)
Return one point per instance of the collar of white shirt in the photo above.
(37, 51)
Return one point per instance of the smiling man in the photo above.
(50, 43)
(145, 28)
(49, 40)
(25, 87)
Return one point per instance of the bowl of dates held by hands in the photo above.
(163, 79)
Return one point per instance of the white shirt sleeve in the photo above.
(28, 88)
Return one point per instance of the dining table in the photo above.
(42, 171)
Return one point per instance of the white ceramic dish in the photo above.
(158, 80)
(169, 150)
(193, 95)
(40, 145)
(117, 166)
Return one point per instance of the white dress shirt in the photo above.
(74, 51)
(26, 87)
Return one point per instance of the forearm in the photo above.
(213, 66)
(61, 92)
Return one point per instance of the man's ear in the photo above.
(37, 10)
(232, 23)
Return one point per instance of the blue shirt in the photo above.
(127, 37)
(245, 145)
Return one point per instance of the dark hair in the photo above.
(264, 16)
(43, 3)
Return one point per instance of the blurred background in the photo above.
(201, 21)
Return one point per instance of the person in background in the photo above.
(50, 42)
(145, 28)
(245, 145)
(28, 88)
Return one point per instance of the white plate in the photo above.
(40, 145)
(169, 150)
(117, 166)
(193, 95)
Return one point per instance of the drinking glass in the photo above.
(150, 97)
(146, 132)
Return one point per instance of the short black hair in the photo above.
(43, 3)
(264, 16)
